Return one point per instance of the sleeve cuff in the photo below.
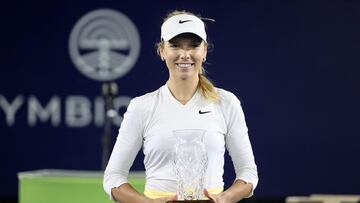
(252, 180)
(114, 184)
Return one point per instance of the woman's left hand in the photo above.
(215, 198)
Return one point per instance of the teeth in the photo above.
(184, 65)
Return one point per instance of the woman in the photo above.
(188, 100)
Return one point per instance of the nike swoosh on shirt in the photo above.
(203, 112)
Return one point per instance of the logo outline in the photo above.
(109, 58)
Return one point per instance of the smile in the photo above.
(184, 65)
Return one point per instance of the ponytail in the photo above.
(207, 88)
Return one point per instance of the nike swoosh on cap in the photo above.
(184, 21)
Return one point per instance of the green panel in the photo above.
(47, 186)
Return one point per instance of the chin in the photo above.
(184, 77)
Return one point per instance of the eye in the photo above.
(195, 45)
(174, 45)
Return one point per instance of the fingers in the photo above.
(170, 198)
(210, 196)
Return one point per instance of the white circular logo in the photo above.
(104, 45)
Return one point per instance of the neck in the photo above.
(183, 90)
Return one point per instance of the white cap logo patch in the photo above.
(104, 45)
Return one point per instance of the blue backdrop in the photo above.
(293, 64)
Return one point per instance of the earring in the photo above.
(162, 58)
(204, 59)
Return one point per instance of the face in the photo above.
(184, 55)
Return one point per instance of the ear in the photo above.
(205, 49)
(161, 52)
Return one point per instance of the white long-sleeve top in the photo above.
(148, 124)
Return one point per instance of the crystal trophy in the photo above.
(190, 165)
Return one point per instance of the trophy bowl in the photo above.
(190, 165)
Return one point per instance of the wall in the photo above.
(294, 65)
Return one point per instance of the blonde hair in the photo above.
(206, 87)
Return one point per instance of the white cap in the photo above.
(182, 23)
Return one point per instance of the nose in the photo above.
(185, 54)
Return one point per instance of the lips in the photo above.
(184, 65)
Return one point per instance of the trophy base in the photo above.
(189, 201)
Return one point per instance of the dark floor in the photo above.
(8, 199)
(263, 200)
